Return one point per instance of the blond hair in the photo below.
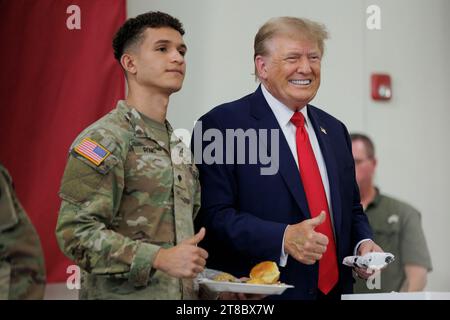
(290, 26)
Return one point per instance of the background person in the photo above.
(396, 225)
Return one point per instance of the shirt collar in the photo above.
(283, 113)
(376, 200)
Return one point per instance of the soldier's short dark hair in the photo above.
(131, 31)
(368, 144)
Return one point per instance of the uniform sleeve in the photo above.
(22, 268)
(85, 228)
(5, 275)
(8, 216)
(197, 194)
(414, 248)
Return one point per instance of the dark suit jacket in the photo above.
(246, 213)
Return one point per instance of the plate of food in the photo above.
(263, 280)
(243, 287)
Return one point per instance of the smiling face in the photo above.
(158, 63)
(291, 70)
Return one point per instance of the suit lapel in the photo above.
(330, 162)
(287, 167)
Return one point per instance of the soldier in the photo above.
(22, 270)
(128, 202)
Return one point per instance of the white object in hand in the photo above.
(371, 260)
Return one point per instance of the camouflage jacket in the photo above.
(22, 269)
(121, 202)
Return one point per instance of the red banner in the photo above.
(58, 75)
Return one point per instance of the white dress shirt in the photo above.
(283, 114)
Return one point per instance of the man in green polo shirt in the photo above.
(397, 229)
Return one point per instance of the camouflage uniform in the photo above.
(116, 215)
(22, 270)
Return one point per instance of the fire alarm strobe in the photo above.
(381, 86)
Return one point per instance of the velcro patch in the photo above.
(92, 151)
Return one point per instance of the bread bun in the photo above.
(267, 272)
(226, 277)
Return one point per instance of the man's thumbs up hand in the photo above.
(303, 243)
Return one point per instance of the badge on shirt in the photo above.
(393, 219)
(92, 151)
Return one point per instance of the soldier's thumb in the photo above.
(196, 238)
(314, 222)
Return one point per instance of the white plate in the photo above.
(222, 286)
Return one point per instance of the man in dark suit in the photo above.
(295, 201)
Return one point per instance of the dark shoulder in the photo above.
(4, 174)
(324, 116)
(232, 108)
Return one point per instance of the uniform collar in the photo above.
(138, 124)
(141, 130)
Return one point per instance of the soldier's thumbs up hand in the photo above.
(196, 238)
(303, 243)
(185, 260)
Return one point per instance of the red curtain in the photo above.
(54, 81)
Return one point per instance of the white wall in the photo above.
(220, 33)
(410, 132)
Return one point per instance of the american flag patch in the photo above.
(92, 151)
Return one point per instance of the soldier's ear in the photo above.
(128, 62)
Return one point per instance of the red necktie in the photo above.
(317, 202)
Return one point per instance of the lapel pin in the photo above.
(323, 130)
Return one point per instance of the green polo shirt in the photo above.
(397, 229)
